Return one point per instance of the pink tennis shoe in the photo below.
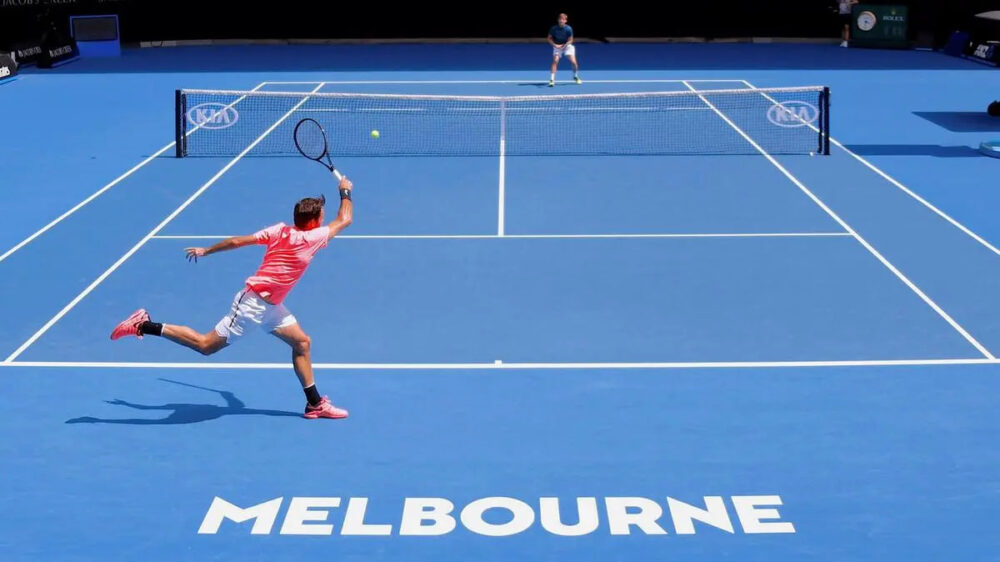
(325, 409)
(130, 326)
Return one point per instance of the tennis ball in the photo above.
(374, 133)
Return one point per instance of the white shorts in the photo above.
(250, 311)
(567, 51)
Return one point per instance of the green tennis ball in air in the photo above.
(374, 133)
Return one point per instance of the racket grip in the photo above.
(337, 174)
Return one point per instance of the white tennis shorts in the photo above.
(566, 51)
(249, 311)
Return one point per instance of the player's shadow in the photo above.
(545, 85)
(181, 413)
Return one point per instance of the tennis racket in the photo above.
(310, 139)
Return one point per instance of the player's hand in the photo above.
(345, 184)
(194, 253)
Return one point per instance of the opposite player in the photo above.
(289, 251)
(561, 39)
(844, 8)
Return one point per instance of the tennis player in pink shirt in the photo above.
(289, 251)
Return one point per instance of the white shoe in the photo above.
(843, 43)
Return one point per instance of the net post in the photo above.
(825, 134)
(503, 120)
(501, 202)
(180, 109)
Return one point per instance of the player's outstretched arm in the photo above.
(228, 244)
(346, 212)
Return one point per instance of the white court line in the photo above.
(538, 236)
(899, 274)
(498, 365)
(98, 193)
(149, 236)
(368, 110)
(514, 110)
(526, 81)
(899, 185)
(518, 109)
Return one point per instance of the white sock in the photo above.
(552, 77)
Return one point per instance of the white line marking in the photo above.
(539, 236)
(597, 108)
(511, 366)
(367, 110)
(512, 109)
(913, 287)
(526, 81)
(98, 193)
(488, 101)
(905, 189)
(149, 236)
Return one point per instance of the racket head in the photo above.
(310, 139)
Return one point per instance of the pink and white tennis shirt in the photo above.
(289, 252)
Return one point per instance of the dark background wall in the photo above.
(155, 20)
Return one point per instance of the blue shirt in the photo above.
(561, 34)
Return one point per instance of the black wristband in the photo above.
(345, 194)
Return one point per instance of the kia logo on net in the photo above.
(213, 116)
(793, 114)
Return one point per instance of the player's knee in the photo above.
(207, 345)
(303, 346)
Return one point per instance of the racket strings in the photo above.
(310, 139)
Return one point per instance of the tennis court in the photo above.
(799, 351)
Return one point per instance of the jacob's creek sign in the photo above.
(429, 516)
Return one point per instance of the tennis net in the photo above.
(778, 120)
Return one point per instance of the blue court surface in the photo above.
(689, 357)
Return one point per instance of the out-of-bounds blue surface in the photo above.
(865, 461)
(869, 462)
